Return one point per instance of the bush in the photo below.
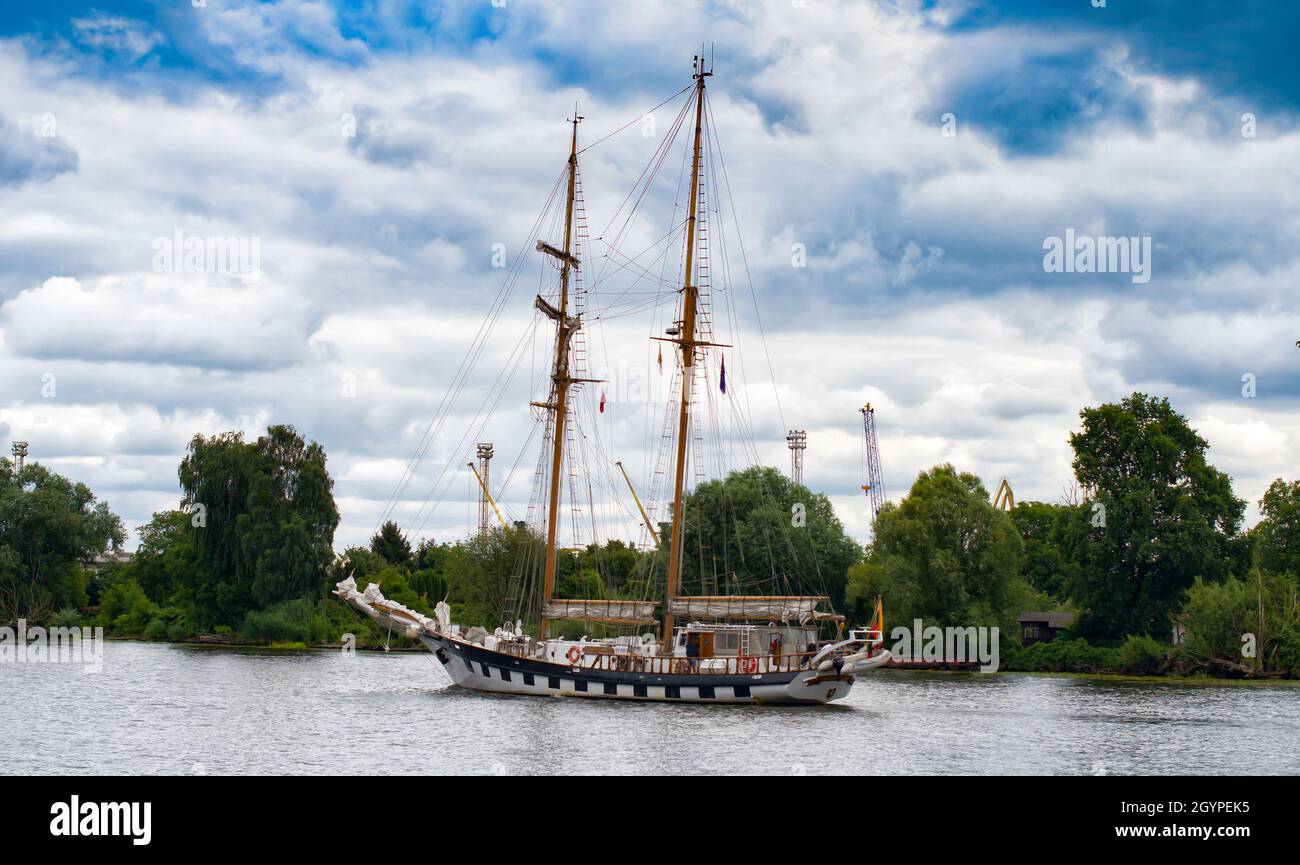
(156, 629)
(66, 618)
(180, 628)
(297, 621)
(1063, 656)
(126, 609)
(1142, 655)
(1287, 658)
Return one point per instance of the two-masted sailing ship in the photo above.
(719, 647)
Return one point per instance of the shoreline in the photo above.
(1199, 680)
(235, 643)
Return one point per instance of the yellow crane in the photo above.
(644, 516)
(488, 495)
(1004, 499)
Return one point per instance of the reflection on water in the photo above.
(169, 709)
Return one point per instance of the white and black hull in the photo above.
(481, 669)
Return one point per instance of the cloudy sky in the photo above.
(378, 152)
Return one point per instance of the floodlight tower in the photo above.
(797, 441)
(19, 450)
(484, 452)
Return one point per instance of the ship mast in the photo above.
(565, 328)
(686, 339)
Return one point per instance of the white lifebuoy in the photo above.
(574, 655)
(749, 663)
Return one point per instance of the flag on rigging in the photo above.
(661, 358)
(878, 617)
(722, 379)
(602, 402)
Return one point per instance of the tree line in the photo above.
(1147, 550)
(1147, 544)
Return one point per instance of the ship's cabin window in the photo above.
(726, 642)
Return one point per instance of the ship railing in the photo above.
(682, 666)
(518, 648)
(870, 636)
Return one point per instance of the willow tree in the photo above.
(263, 514)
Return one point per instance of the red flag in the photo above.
(602, 402)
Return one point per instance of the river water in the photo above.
(179, 710)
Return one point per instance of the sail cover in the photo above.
(636, 612)
(770, 607)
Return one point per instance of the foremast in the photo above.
(565, 327)
(686, 341)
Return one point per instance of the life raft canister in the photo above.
(575, 655)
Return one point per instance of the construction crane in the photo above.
(1004, 499)
(640, 507)
(482, 484)
(874, 486)
(484, 450)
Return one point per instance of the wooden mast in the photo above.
(565, 327)
(686, 339)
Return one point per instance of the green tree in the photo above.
(1052, 535)
(49, 527)
(215, 477)
(1166, 517)
(755, 532)
(359, 563)
(126, 609)
(268, 519)
(943, 554)
(154, 565)
(1277, 535)
(391, 545)
(483, 574)
(430, 577)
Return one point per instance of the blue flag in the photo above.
(722, 380)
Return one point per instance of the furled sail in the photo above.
(773, 607)
(636, 612)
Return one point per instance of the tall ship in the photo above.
(768, 640)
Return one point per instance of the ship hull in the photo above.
(481, 669)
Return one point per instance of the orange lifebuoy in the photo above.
(575, 654)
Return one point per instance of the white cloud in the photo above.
(172, 320)
(923, 292)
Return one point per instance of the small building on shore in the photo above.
(110, 557)
(1042, 627)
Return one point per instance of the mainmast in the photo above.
(565, 328)
(685, 338)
